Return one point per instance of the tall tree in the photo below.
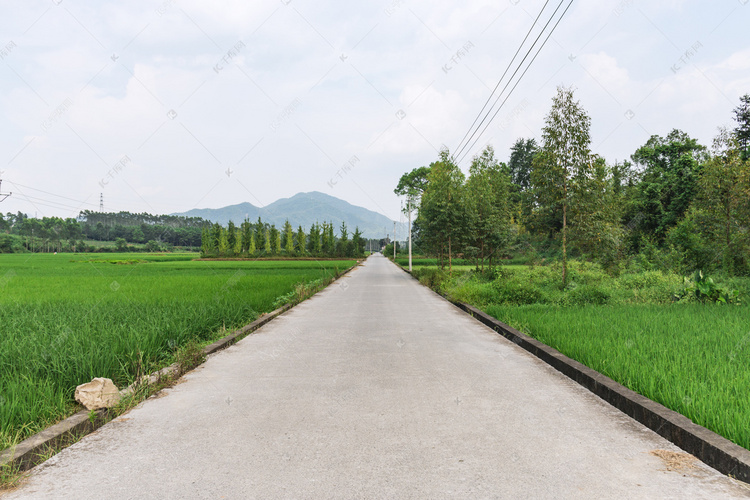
(563, 164)
(266, 241)
(277, 242)
(313, 242)
(487, 206)
(251, 244)
(724, 198)
(288, 242)
(358, 244)
(300, 241)
(669, 181)
(520, 162)
(231, 236)
(247, 235)
(442, 213)
(223, 243)
(742, 132)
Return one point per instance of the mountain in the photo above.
(304, 209)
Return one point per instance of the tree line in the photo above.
(19, 232)
(676, 203)
(261, 239)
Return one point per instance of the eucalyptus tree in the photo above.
(442, 213)
(487, 206)
(563, 165)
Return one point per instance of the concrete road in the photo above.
(374, 388)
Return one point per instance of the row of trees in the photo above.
(49, 234)
(53, 234)
(676, 198)
(262, 239)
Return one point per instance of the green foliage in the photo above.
(704, 289)
(671, 166)
(121, 244)
(562, 169)
(442, 216)
(742, 132)
(487, 212)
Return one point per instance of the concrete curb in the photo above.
(27, 453)
(712, 449)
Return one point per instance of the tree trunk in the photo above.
(564, 237)
(450, 258)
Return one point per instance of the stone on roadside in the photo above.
(97, 394)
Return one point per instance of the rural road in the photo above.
(374, 388)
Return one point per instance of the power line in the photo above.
(503, 76)
(53, 194)
(466, 146)
(531, 48)
(517, 82)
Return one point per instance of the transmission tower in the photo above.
(3, 195)
(101, 202)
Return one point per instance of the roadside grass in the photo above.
(67, 319)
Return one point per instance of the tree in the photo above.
(121, 244)
(668, 182)
(442, 214)
(742, 132)
(223, 243)
(328, 241)
(231, 236)
(276, 240)
(724, 199)
(251, 245)
(288, 242)
(247, 236)
(300, 240)
(313, 242)
(206, 243)
(215, 236)
(266, 242)
(563, 164)
(344, 241)
(486, 205)
(358, 244)
(520, 163)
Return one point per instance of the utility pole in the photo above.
(2, 195)
(408, 209)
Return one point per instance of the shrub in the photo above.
(588, 294)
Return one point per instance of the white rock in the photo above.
(99, 393)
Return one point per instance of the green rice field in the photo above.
(67, 318)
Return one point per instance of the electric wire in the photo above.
(517, 82)
(503, 76)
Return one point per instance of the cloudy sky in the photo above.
(167, 105)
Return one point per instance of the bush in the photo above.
(10, 243)
(432, 278)
(588, 294)
(513, 292)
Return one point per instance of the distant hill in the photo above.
(304, 209)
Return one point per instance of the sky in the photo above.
(167, 105)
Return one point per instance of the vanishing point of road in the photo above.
(374, 388)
